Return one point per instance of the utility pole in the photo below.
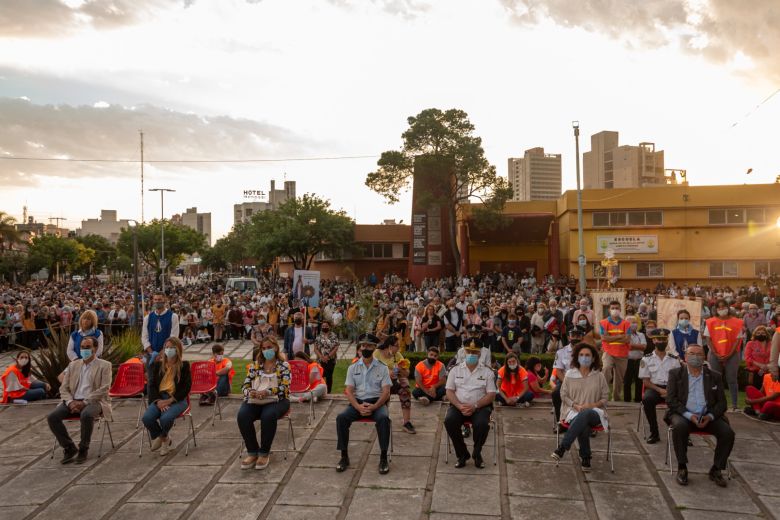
(57, 233)
(581, 257)
(141, 132)
(163, 263)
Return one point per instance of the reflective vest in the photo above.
(321, 381)
(613, 348)
(15, 385)
(514, 387)
(771, 386)
(724, 333)
(428, 377)
(222, 364)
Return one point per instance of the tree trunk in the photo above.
(453, 226)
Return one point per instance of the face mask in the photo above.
(325, 331)
(583, 307)
(218, 358)
(540, 312)
(170, 353)
(582, 323)
(261, 322)
(367, 353)
(723, 313)
(472, 359)
(761, 337)
(512, 323)
(695, 361)
(86, 353)
(22, 362)
(298, 321)
(512, 366)
(683, 323)
(269, 354)
(660, 345)
(614, 313)
(585, 361)
(159, 305)
(431, 361)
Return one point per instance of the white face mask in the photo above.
(22, 362)
(614, 313)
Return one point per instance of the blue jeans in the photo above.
(580, 429)
(223, 385)
(160, 423)
(36, 392)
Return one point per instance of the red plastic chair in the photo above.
(299, 382)
(187, 413)
(98, 420)
(640, 421)
(130, 383)
(493, 426)
(204, 381)
(563, 425)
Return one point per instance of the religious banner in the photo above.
(667, 309)
(601, 301)
(306, 288)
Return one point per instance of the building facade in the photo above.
(200, 222)
(608, 165)
(107, 226)
(244, 211)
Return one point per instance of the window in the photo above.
(636, 218)
(628, 218)
(649, 269)
(617, 219)
(406, 251)
(723, 269)
(378, 250)
(599, 271)
(717, 216)
(601, 220)
(737, 216)
(654, 218)
(766, 268)
(756, 215)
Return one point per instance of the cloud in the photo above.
(407, 9)
(111, 132)
(720, 30)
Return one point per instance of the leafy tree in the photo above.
(228, 250)
(8, 233)
(105, 252)
(300, 229)
(179, 241)
(441, 147)
(58, 253)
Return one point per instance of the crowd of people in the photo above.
(623, 355)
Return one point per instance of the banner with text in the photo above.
(668, 307)
(627, 243)
(601, 301)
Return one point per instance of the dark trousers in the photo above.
(327, 373)
(556, 399)
(720, 429)
(268, 415)
(59, 430)
(223, 385)
(579, 429)
(381, 417)
(632, 379)
(452, 344)
(480, 426)
(650, 400)
(440, 393)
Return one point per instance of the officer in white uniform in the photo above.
(654, 372)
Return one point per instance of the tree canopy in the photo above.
(58, 254)
(179, 241)
(441, 146)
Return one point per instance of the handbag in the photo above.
(263, 381)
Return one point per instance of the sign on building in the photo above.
(255, 195)
(420, 238)
(622, 244)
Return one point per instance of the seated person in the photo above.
(203, 335)
(562, 364)
(84, 392)
(189, 337)
(538, 375)
(317, 385)
(368, 390)
(388, 353)
(697, 402)
(757, 356)
(225, 373)
(473, 335)
(266, 399)
(513, 383)
(654, 372)
(169, 387)
(430, 378)
(471, 390)
(584, 396)
(764, 402)
(19, 384)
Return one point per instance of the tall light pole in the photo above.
(136, 292)
(581, 243)
(163, 263)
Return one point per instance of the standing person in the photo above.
(683, 334)
(84, 391)
(697, 402)
(326, 348)
(724, 336)
(235, 319)
(367, 390)
(471, 390)
(88, 327)
(19, 383)
(538, 336)
(431, 324)
(430, 378)
(158, 326)
(453, 327)
(218, 313)
(615, 341)
(654, 371)
(296, 338)
(584, 394)
(169, 386)
(637, 346)
(5, 328)
(266, 398)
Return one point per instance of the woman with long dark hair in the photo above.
(20, 384)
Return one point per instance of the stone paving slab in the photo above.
(534, 507)
(282, 512)
(549, 480)
(175, 484)
(316, 487)
(483, 496)
(382, 503)
(629, 501)
(234, 502)
(141, 511)
(732, 499)
(101, 498)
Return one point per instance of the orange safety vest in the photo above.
(515, 387)
(771, 386)
(15, 385)
(724, 333)
(316, 366)
(222, 364)
(613, 348)
(428, 377)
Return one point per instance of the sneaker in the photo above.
(764, 417)
(558, 454)
(425, 401)
(316, 399)
(249, 462)
(69, 454)
(585, 463)
(81, 458)
(409, 428)
(156, 443)
(526, 405)
(462, 461)
(749, 410)
(165, 448)
(478, 462)
(262, 462)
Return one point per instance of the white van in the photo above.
(242, 284)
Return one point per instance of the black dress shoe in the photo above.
(478, 462)
(81, 458)
(653, 439)
(69, 454)
(585, 463)
(343, 464)
(716, 476)
(384, 466)
(682, 477)
(462, 461)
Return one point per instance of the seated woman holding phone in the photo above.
(266, 398)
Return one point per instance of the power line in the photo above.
(187, 161)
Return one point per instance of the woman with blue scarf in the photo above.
(88, 326)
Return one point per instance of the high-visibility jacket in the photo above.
(512, 386)
(614, 348)
(15, 384)
(222, 364)
(321, 381)
(724, 333)
(428, 376)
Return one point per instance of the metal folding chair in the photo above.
(668, 456)
(493, 426)
(563, 425)
(98, 420)
(187, 413)
(290, 435)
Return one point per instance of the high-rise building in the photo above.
(107, 226)
(609, 165)
(244, 211)
(200, 222)
(535, 176)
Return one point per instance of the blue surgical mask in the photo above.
(683, 323)
(269, 354)
(585, 361)
(170, 353)
(86, 353)
(512, 323)
(472, 359)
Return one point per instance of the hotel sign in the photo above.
(626, 244)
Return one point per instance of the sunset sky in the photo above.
(277, 79)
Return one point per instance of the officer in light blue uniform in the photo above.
(368, 390)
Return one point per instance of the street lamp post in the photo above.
(581, 244)
(136, 291)
(163, 263)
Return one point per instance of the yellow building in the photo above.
(708, 234)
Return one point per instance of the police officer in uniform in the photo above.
(654, 372)
(473, 336)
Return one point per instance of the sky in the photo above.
(275, 80)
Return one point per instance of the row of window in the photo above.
(717, 217)
(737, 216)
(725, 269)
